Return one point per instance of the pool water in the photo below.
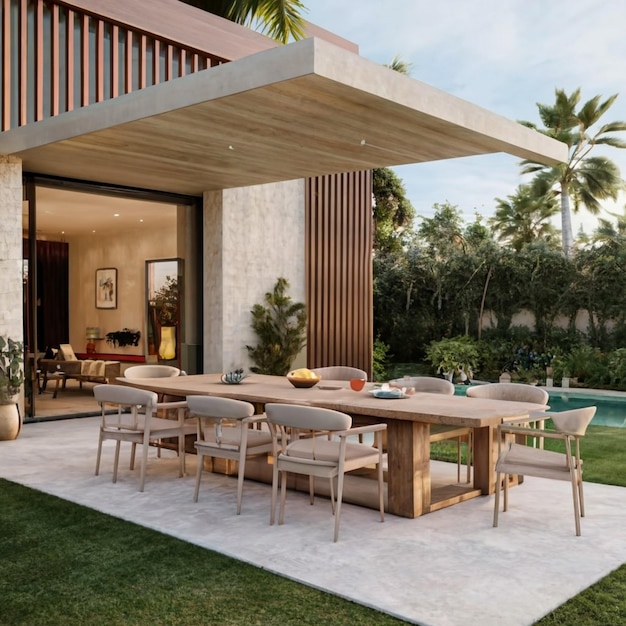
(611, 410)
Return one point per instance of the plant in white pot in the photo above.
(11, 381)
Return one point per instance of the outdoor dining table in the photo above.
(409, 489)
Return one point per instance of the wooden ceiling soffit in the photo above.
(306, 109)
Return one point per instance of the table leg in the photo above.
(408, 468)
(485, 457)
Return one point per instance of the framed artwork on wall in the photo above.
(106, 288)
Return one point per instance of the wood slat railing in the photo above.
(55, 58)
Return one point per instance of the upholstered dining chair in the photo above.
(151, 371)
(156, 371)
(519, 459)
(515, 392)
(135, 421)
(438, 432)
(317, 455)
(340, 372)
(226, 431)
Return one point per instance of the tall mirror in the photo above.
(164, 282)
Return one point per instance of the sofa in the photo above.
(66, 365)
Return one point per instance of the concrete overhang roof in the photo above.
(305, 109)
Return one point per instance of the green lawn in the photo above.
(61, 563)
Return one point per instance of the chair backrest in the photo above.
(573, 422)
(151, 371)
(214, 407)
(66, 352)
(125, 396)
(516, 392)
(426, 384)
(340, 372)
(306, 417)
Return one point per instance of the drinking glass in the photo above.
(356, 384)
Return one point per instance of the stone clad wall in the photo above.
(252, 236)
(11, 293)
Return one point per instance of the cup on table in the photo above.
(356, 384)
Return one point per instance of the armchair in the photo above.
(319, 456)
(524, 460)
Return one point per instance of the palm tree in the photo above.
(524, 217)
(280, 19)
(584, 179)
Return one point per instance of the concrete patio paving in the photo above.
(448, 568)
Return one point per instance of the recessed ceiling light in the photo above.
(116, 214)
(141, 221)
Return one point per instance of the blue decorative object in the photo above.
(233, 378)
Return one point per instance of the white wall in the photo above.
(127, 251)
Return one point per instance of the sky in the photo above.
(503, 55)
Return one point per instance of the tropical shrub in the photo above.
(281, 328)
(455, 357)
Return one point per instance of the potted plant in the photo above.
(281, 329)
(11, 380)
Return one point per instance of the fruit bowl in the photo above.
(302, 382)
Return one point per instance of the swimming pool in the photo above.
(611, 408)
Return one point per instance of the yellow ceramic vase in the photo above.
(167, 347)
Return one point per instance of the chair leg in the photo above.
(333, 507)
(458, 459)
(132, 456)
(338, 505)
(99, 454)
(144, 465)
(181, 455)
(283, 497)
(312, 490)
(381, 486)
(117, 460)
(240, 476)
(470, 455)
(275, 476)
(200, 461)
(496, 505)
(506, 493)
(581, 499)
(575, 494)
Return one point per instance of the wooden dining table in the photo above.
(410, 492)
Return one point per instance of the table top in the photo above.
(421, 407)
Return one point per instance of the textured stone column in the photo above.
(11, 290)
(252, 236)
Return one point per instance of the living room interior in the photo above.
(86, 241)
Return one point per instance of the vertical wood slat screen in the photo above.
(46, 46)
(339, 231)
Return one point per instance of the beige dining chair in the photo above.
(439, 432)
(135, 421)
(520, 459)
(151, 371)
(157, 371)
(226, 430)
(515, 392)
(340, 372)
(301, 446)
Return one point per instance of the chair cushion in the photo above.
(529, 461)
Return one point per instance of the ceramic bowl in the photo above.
(233, 378)
(303, 382)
